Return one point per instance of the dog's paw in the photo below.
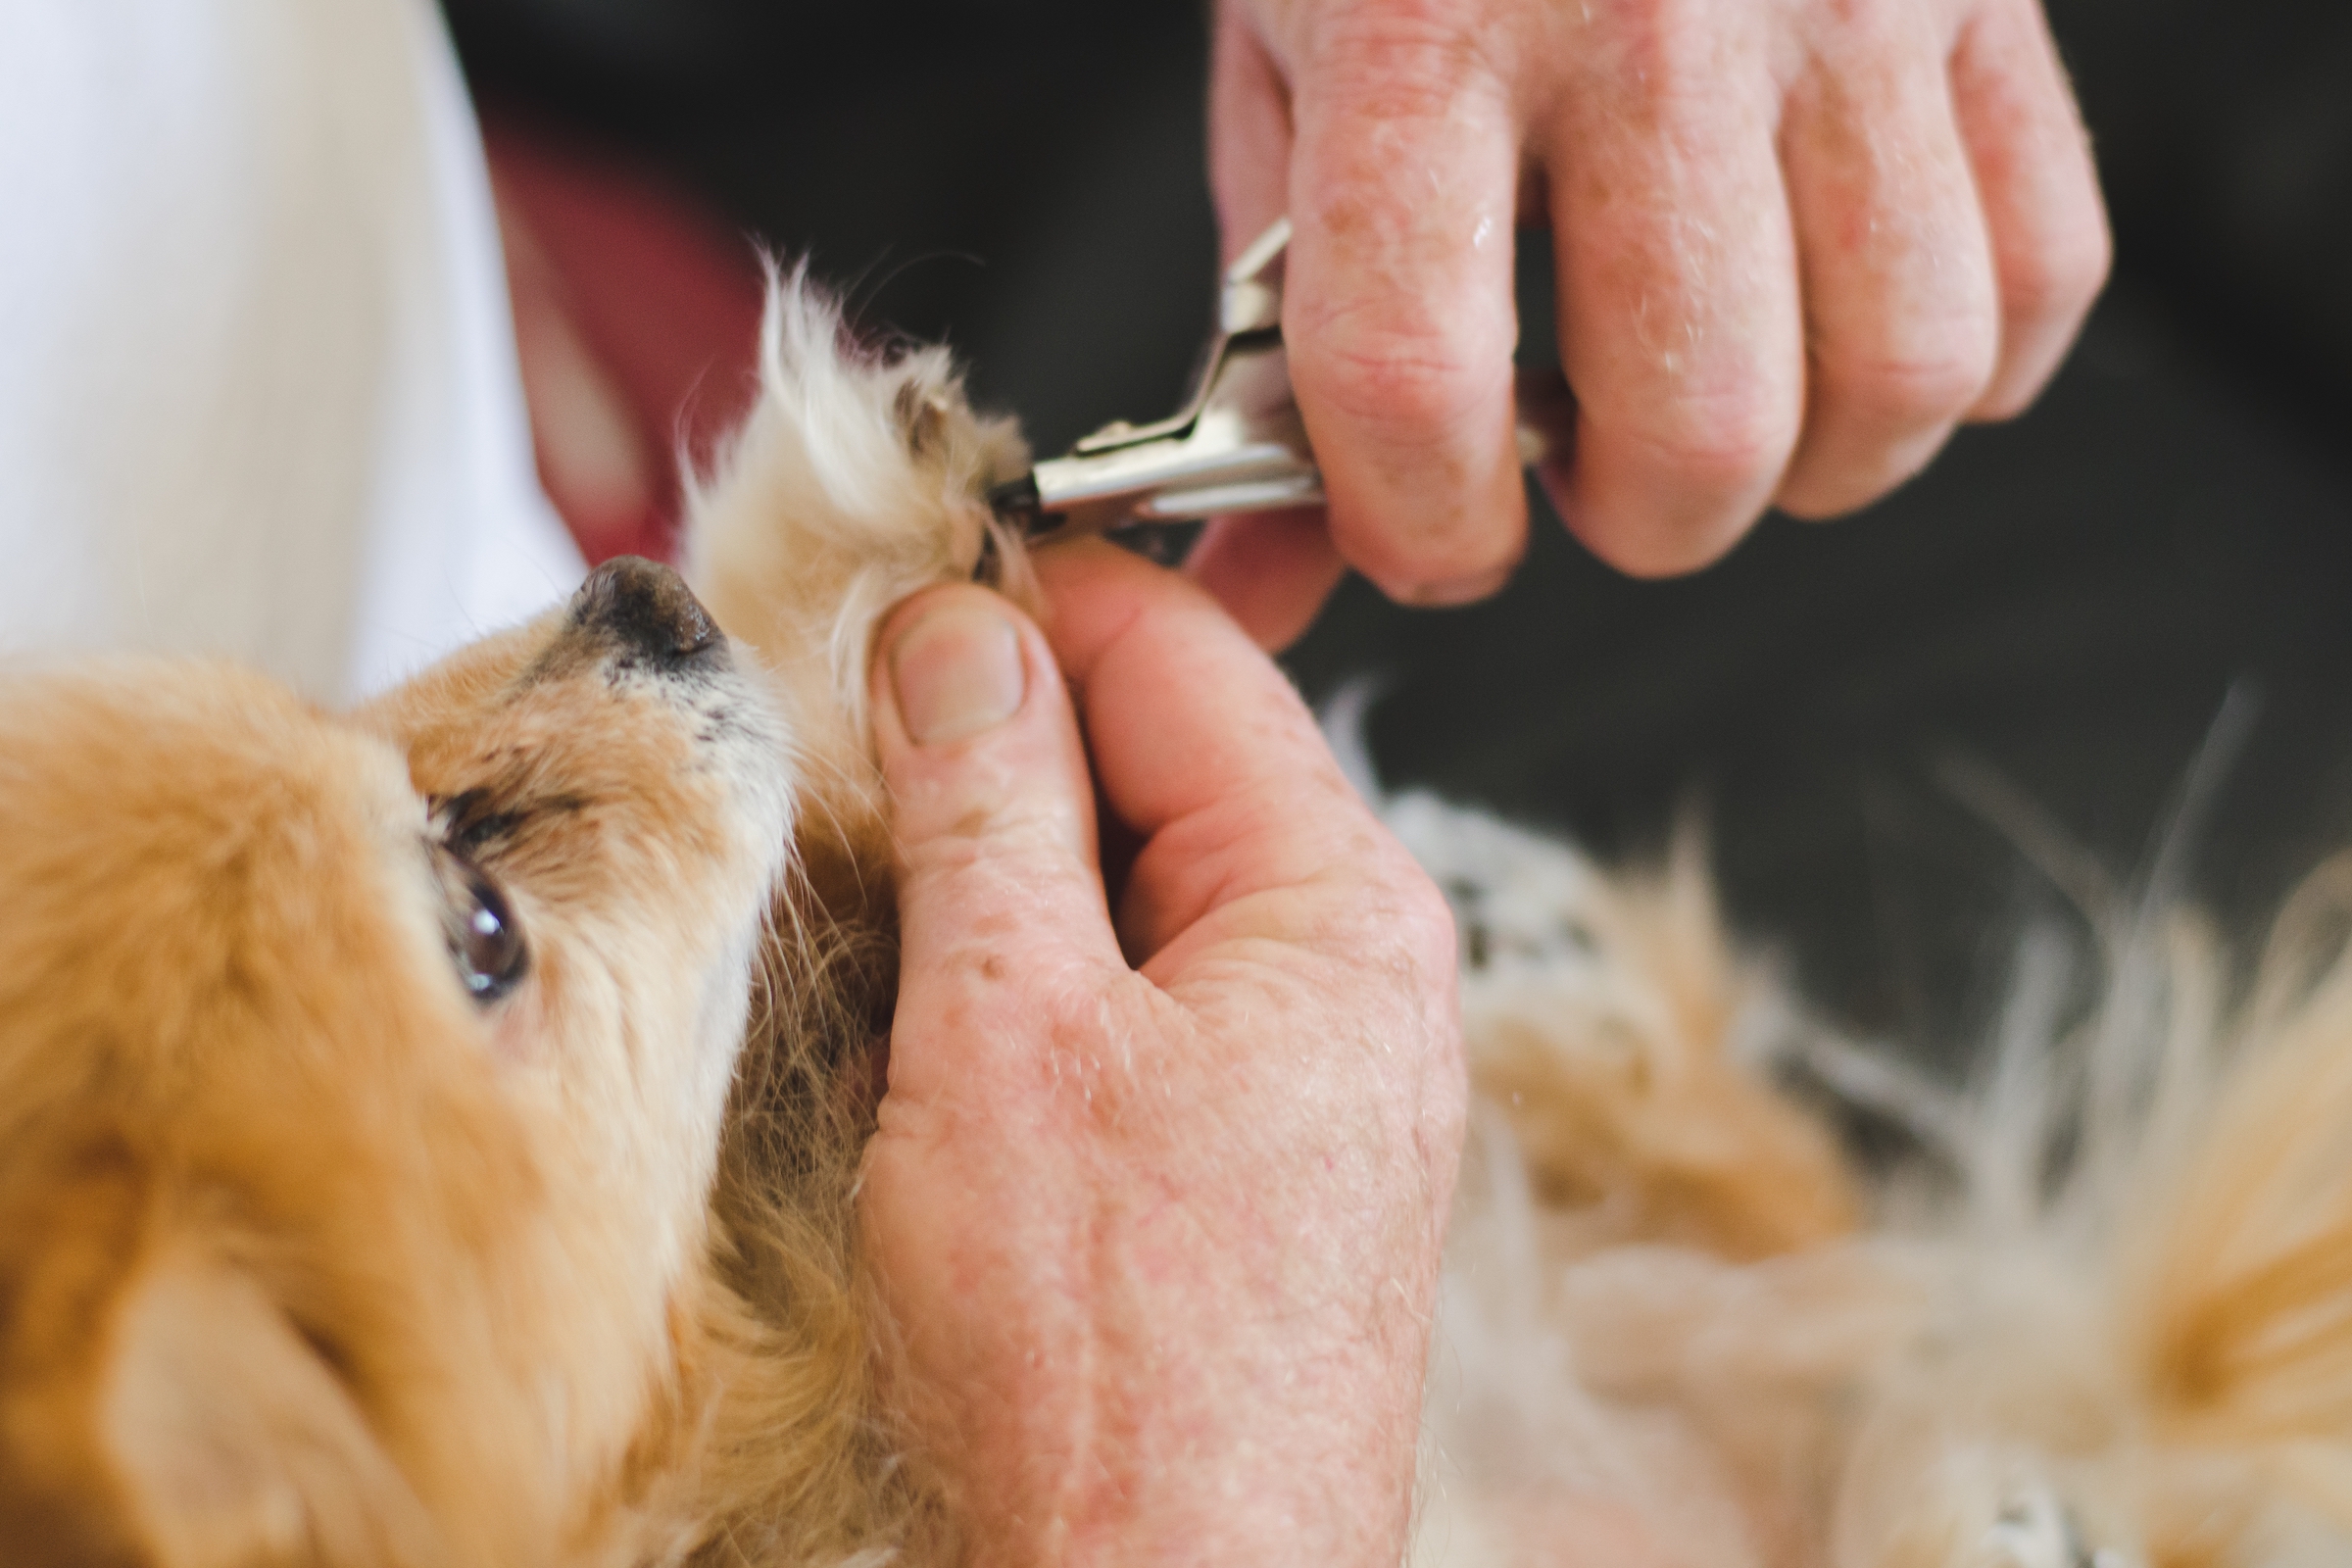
(860, 476)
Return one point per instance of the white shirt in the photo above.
(257, 394)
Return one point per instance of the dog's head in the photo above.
(360, 1084)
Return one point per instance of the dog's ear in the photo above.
(234, 1440)
(160, 1407)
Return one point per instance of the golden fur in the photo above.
(309, 1257)
(363, 1273)
(306, 1257)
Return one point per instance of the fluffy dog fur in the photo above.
(2103, 1319)
(308, 1256)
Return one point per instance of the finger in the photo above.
(1900, 298)
(1249, 131)
(1398, 296)
(991, 816)
(1270, 571)
(2050, 243)
(1680, 328)
(1202, 747)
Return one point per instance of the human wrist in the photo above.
(1360, 1518)
(1273, 1454)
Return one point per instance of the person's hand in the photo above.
(1796, 241)
(1157, 1193)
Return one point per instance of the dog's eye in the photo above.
(483, 937)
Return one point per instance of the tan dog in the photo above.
(354, 1193)
(361, 1081)
(373, 1190)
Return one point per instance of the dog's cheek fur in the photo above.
(763, 1431)
(226, 975)
(639, 876)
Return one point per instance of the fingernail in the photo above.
(1459, 590)
(957, 671)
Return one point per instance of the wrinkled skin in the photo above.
(1798, 241)
(1159, 1190)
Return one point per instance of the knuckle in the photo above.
(1401, 377)
(2057, 281)
(1670, 52)
(1393, 916)
(1418, 911)
(1405, 59)
(1418, 926)
(1392, 361)
(1726, 445)
(1428, 925)
(1671, 493)
(1929, 384)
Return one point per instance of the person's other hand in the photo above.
(1157, 1192)
(1796, 241)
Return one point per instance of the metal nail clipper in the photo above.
(1237, 445)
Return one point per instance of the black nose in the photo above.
(647, 610)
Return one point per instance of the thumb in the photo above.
(992, 809)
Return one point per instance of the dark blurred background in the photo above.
(2059, 606)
